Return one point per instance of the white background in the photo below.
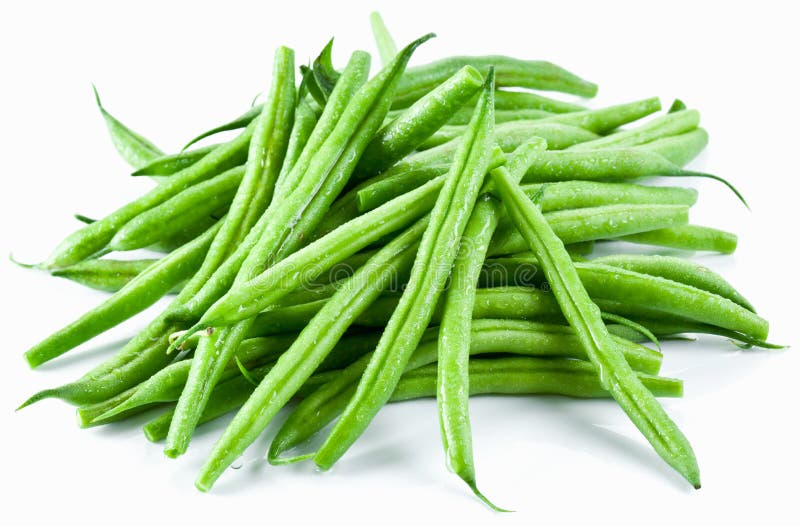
(170, 71)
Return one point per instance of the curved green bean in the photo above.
(687, 237)
(173, 163)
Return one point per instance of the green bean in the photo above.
(511, 72)
(680, 270)
(173, 163)
(679, 149)
(404, 133)
(306, 117)
(431, 267)
(135, 149)
(461, 117)
(137, 295)
(92, 238)
(523, 100)
(328, 172)
(108, 275)
(528, 375)
(658, 128)
(87, 414)
(512, 134)
(601, 222)
(175, 241)
(583, 315)
(387, 49)
(309, 350)
(612, 163)
(179, 213)
(486, 337)
(687, 237)
(668, 327)
(454, 341)
(242, 121)
(602, 120)
(586, 194)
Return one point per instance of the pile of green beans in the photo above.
(425, 232)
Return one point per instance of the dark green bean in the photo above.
(239, 122)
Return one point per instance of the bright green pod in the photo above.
(679, 149)
(179, 213)
(403, 134)
(687, 237)
(108, 275)
(587, 224)
(137, 295)
(665, 126)
(510, 72)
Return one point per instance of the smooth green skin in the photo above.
(179, 213)
(175, 241)
(587, 224)
(487, 337)
(495, 376)
(312, 346)
(509, 101)
(523, 100)
(687, 237)
(462, 116)
(135, 149)
(655, 129)
(599, 121)
(680, 270)
(605, 120)
(437, 252)
(610, 163)
(664, 326)
(454, 341)
(509, 72)
(679, 149)
(587, 194)
(512, 134)
(108, 275)
(408, 130)
(678, 299)
(306, 116)
(239, 122)
(170, 164)
(615, 375)
(93, 238)
(144, 290)
(328, 172)
(387, 49)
